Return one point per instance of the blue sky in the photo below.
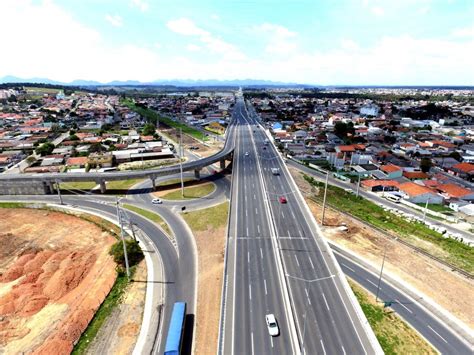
(330, 42)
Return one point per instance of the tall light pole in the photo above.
(358, 187)
(181, 160)
(59, 192)
(426, 209)
(324, 199)
(123, 239)
(381, 271)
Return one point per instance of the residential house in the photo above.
(463, 170)
(416, 193)
(454, 191)
(392, 171)
(77, 162)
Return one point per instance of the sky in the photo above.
(318, 42)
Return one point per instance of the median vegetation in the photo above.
(393, 334)
(191, 192)
(151, 216)
(450, 250)
(154, 117)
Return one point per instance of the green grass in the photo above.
(111, 301)
(191, 192)
(436, 208)
(13, 205)
(214, 217)
(393, 334)
(174, 182)
(153, 116)
(151, 216)
(122, 184)
(79, 185)
(454, 252)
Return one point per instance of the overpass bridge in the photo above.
(43, 183)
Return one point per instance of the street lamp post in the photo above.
(426, 209)
(123, 239)
(324, 199)
(358, 187)
(181, 160)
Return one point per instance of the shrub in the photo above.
(134, 253)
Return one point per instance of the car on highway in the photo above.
(272, 325)
(246, 154)
(282, 199)
(156, 201)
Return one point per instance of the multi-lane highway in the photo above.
(277, 263)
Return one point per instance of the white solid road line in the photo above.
(265, 285)
(348, 267)
(401, 304)
(343, 350)
(311, 262)
(325, 301)
(372, 283)
(251, 336)
(434, 331)
(295, 255)
(322, 345)
(271, 341)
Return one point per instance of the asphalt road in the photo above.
(430, 327)
(325, 319)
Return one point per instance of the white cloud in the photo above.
(193, 48)
(114, 20)
(377, 11)
(185, 26)
(280, 40)
(215, 17)
(142, 5)
(463, 32)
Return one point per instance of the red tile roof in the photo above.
(415, 175)
(454, 190)
(390, 168)
(412, 189)
(465, 167)
(373, 183)
(77, 161)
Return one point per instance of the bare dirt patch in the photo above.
(120, 331)
(210, 245)
(446, 288)
(211, 147)
(55, 271)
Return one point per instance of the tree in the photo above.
(149, 129)
(73, 137)
(425, 165)
(45, 149)
(96, 148)
(456, 155)
(134, 253)
(341, 129)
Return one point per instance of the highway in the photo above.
(267, 274)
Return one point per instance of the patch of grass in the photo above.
(111, 301)
(453, 251)
(122, 184)
(151, 216)
(105, 225)
(214, 217)
(153, 117)
(173, 182)
(436, 208)
(78, 185)
(13, 205)
(191, 192)
(393, 334)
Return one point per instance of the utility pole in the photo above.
(123, 240)
(181, 160)
(381, 271)
(358, 186)
(426, 209)
(59, 193)
(324, 199)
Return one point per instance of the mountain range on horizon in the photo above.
(177, 82)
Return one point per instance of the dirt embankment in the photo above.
(55, 271)
(446, 288)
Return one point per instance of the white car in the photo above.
(246, 154)
(156, 201)
(272, 325)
